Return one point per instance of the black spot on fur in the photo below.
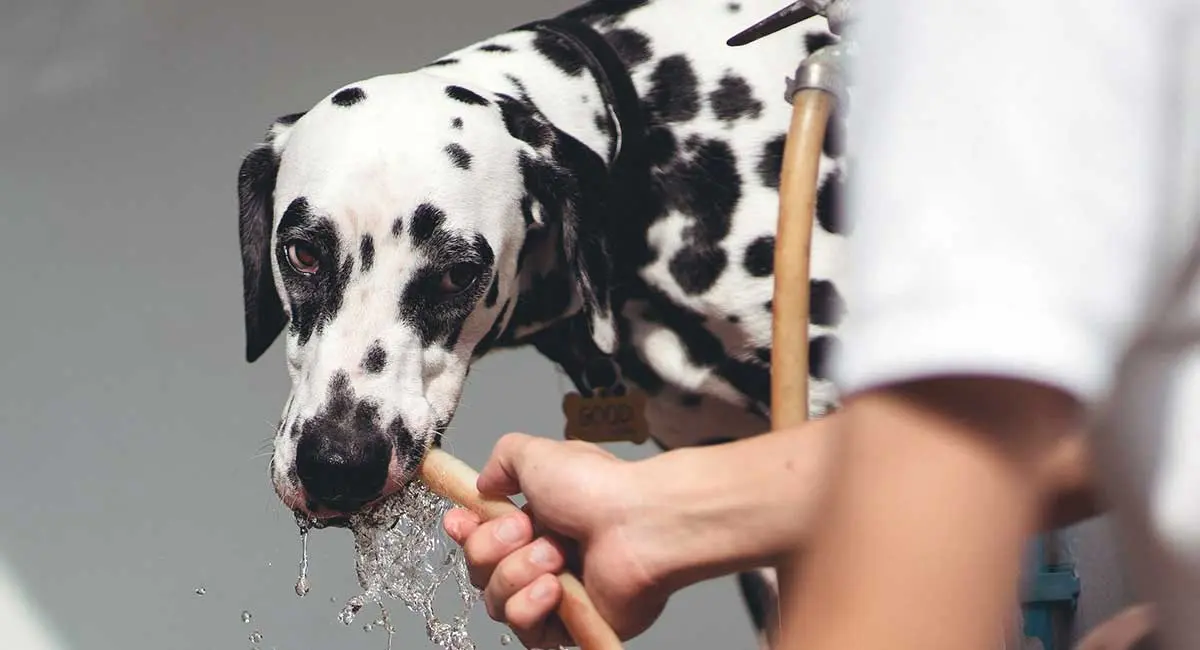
(601, 121)
(769, 306)
(691, 400)
(818, 40)
(706, 186)
(734, 99)
(427, 221)
(821, 350)
(376, 359)
(440, 62)
(397, 227)
(470, 97)
(400, 435)
(631, 46)
(763, 354)
(316, 299)
(456, 123)
(527, 210)
(290, 118)
(760, 257)
(435, 316)
(674, 90)
(697, 268)
(523, 124)
(459, 156)
(733, 7)
(829, 204)
(562, 54)
(733, 318)
(522, 91)
(750, 378)
(349, 96)
(366, 251)
(826, 306)
(660, 146)
(770, 161)
(495, 47)
(701, 346)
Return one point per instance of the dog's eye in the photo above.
(302, 257)
(459, 278)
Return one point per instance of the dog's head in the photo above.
(390, 231)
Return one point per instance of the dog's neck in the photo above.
(539, 70)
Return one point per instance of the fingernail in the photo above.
(540, 591)
(541, 555)
(508, 532)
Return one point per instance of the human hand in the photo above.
(584, 503)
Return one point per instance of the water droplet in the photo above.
(256, 637)
(505, 639)
(302, 582)
(367, 627)
(245, 616)
(200, 591)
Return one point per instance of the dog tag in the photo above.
(606, 418)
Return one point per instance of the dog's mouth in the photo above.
(309, 513)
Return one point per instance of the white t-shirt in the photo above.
(1021, 195)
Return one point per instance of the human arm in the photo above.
(649, 528)
(1004, 198)
(642, 529)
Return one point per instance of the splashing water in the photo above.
(402, 553)
(245, 616)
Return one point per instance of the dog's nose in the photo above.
(343, 471)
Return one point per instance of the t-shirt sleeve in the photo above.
(1006, 190)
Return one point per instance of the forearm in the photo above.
(712, 511)
(938, 486)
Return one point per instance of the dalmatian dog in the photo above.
(601, 185)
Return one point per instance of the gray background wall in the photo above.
(131, 430)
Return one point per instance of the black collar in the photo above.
(615, 84)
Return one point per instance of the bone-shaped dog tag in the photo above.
(606, 418)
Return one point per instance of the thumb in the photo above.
(501, 474)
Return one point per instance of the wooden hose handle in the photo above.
(811, 110)
(453, 479)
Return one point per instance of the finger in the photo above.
(492, 541)
(460, 523)
(501, 475)
(522, 568)
(530, 614)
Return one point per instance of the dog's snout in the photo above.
(342, 470)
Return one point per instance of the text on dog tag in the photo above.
(606, 418)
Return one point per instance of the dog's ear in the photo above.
(569, 182)
(265, 317)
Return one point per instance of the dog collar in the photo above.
(616, 87)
